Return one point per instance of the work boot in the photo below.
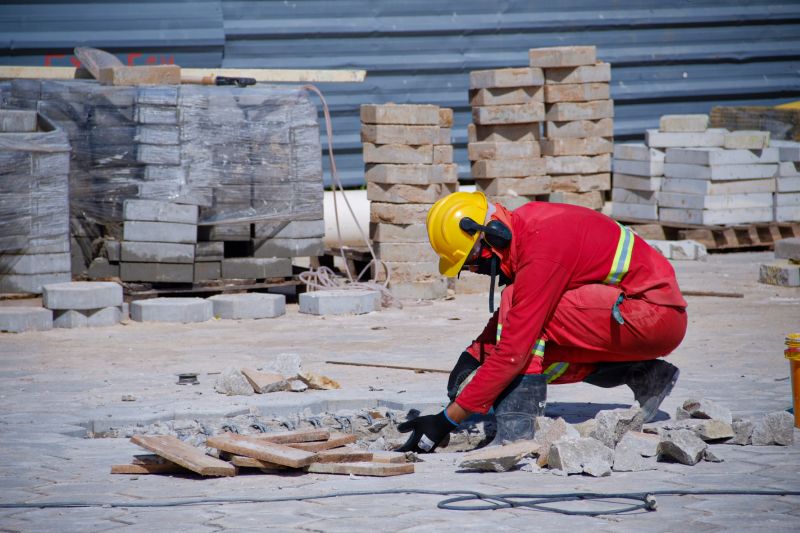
(651, 381)
(518, 406)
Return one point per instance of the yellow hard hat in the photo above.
(446, 236)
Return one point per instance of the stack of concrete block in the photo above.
(579, 125)
(83, 303)
(638, 173)
(787, 182)
(731, 184)
(507, 112)
(34, 203)
(158, 241)
(408, 160)
(785, 270)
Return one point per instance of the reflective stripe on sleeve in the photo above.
(622, 256)
(555, 371)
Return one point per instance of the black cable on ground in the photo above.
(456, 501)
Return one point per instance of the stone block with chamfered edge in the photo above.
(562, 56)
(157, 272)
(508, 168)
(340, 302)
(625, 211)
(502, 150)
(585, 146)
(721, 156)
(508, 114)
(108, 316)
(407, 271)
(506, 95)
(707, 217)
(389, 213)
(442, 154)
(576, 92)
(156, 252)
(504, 133)
(411, 174)
(256, 268)
(251, 305)
(639, 168)
(411, 114)
(82, 295)
(568, 111)
(637, 152)
(433, 289)
(597, 73)
(579, 128)
(709, 138)
(526, 186)
(630, 196)
(207, 270)
(787, 248)
(184, 310)
(136, 230)
(400, 193)
(293, 229)
(746, 140)
(781, 273)
(280, 247)
(20, 319)
(398, 153)
(445, 117)
(713, 188)
(445, 136)
(577, 164)
(581, 182)
(683, 123)
(505, 77)
(405, 251)
(399, 134)
(398, 232)
(590, 199)
(17, 121)
(719, 172)
(637, 183)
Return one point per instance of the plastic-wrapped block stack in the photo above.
(158, 241)
(787, 182)
(732, 184)
(638, 172)
(408, 160)
(579, 125)
(34, 207)
(244, 156)
(507, 112)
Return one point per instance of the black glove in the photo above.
(465, 366)
(428, 432)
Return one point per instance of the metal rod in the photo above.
(394, 367)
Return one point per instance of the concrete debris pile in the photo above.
(408, 160)
(688, 173)
(577, 139)
(317, 451)
(34, 208)
(237, 168)
(616, 440)
(284, 373)
(785, 270)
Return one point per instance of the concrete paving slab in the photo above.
(249, 305)
(171, 310)
(20, 319)
(354, 302)
(82, 295)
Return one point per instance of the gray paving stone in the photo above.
(17, 121)
(82, 295)
(156, 252)
(159, 232)
(682, 446)
(340, 302)
(30, 283)
(434, 289)
(249, 305)
(683, 123)
(171, 310)
(295, 229)
(774, 428)
(34, 263)
(160, 272)
(108, 316)
(19, 319)
(280, 247)
(256, 268)
(69, 318)
(207, 270)
(101, 268)
(576, 456)
(157, 211)
(209, 251)
(787, 248)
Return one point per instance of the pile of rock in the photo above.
(284, 373)
(617, 440)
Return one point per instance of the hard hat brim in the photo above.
(451, 269)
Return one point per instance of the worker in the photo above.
(585, 299)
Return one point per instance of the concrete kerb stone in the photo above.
(340, 302)
(249, 305)
(82, 295)
(183, 310)
(69, 318)
(20, 319)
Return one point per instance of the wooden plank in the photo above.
(389, 457)
(362, 469)
(291, 437)
(337, 440)
(343, 455)
(248, 462)
(261, 449)
(418, 370)
(153, 468)
(185, 455)
(147, 75)
(260, 75)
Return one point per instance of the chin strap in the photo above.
(493, 274)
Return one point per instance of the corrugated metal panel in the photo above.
(186, 32)
(667, 56)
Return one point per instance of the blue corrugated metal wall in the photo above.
(667, 56)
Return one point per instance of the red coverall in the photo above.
(567, 264)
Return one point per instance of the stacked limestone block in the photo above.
(242, 155)
(83, 304)
(34, 203)
(158, 241)
(638, 173)
(507, 112)
(731, 184)
(579, 125)
(408, 160)
(787, 182)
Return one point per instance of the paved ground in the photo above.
(55, 385)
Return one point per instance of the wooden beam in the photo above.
(337, 440)
(290, 437)
(261, 75)
(261, 449)
(389, 457)
(416, 369)
(362, 469)
(185, 455)
(148, 75)
(144, 469)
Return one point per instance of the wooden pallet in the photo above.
(742, 237)
(357, 259)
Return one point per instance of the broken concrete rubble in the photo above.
(681, 445)
(499, 458)
(707, 430)
(613, 424)
(705, 408)
(233, 383)
(549, 431)
(636, 452)
(742, 431)
(774, 428)
(581, 455)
